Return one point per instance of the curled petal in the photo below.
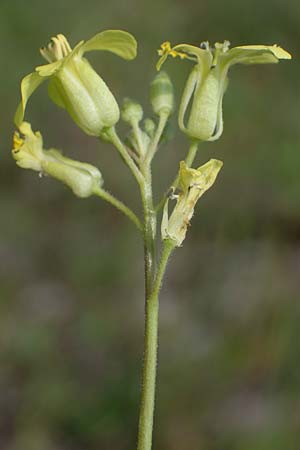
(204, 56)
(119, 42)
(28, 85)
(254, 54)
(193, 79)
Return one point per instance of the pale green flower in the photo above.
(74, 84)
(192, 185)
(207, 82)
(29, 153)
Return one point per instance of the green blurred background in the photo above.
(71, 271)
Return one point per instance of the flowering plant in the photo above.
(75, 86)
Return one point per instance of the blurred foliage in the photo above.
(71, 292)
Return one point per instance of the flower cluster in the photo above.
(74, 85)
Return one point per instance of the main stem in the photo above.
(150, 355)
(149, 232)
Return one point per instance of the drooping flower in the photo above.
(207, 81)
(73, 83)
(193, 183)
(28, 151)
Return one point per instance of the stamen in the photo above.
(166, 49)
(204, 45)
(220, 47)
(223, 47)
(57, 49)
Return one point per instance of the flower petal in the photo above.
(28, 85)
(204, 57)
(202, 178)
(254, 54)
(119, 42)
(47, 70)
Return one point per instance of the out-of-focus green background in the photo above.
(71, 271)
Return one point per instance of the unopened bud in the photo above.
(149, 127)
(131, 112)
(162, 94)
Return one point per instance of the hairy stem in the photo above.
(149, 212)
(150, 354)
(149, 233)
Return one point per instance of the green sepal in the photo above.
(54, 94)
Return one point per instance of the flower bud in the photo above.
(193, 183)
(81, 178)
(162, 94)
(149, 127)
(131, 112)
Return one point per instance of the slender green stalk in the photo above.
(138, 135)
(192, 153)
(119, 205)
(150, 355)
(155, 141)
(188, 161)
(115, 140)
